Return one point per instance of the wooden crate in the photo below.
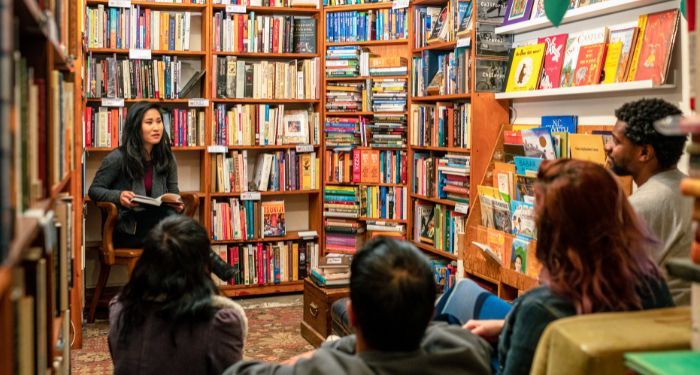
(316, 325)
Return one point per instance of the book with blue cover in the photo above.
(566, 124)
(526, 163)
(523, 219)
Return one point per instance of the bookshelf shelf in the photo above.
(367, 113)
(358, 7)
(602, 89)
(429, 2)
(125, 51)
(267, 147)
(445, 202)
(369, 43)
(441, 149)
(61, 185)
(175, 149)
(154, 5)
(267, 193)
(149, 100)
(432, 250)
(252, 290)
(577, 14)
(438, 98)
(269, 10)
(266, 101)
(363, 78)
(364, 184)
(291, 236)
(442, 46)
(267, 55)
(400, 221)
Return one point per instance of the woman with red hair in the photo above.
(595, 257)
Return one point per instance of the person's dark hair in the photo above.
(132, 144)
(392, 290)
(593, 248)
(171, 278)
(640, 116)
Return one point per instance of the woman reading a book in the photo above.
(169, 318)
(143, 166)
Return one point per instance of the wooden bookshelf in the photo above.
(363, 78)
(256, 290)
(441, 46)
(267, 55)
(268, 147)
(266, 101)
(123, 51)
(274, 10)
(358, 7)
(440, 98)
(368, 43)
(290, 236)
(155, 5)
(268, 193)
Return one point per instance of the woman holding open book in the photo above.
(143, 166)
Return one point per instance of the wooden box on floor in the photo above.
(316, 325)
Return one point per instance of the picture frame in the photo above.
(518, 11)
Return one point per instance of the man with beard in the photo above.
(638, 150)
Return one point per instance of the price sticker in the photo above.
(235, 8)
(139, 54)
(399, 4)
(119, 3)
(308, 234)
(250, 196)
(462, 208)
(305, 148)
(217, 149)
(198, 103)
(113, 102)
(464, 42)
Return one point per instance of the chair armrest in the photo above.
(109, 217)
(191, 203)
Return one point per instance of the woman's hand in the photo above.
(487, 329)
(125, 199)
(179, 207)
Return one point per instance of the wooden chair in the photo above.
(109, 256)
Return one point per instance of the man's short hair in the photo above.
(392, 290)
(640, 116)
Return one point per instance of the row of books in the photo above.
(384, 202)
(185, 127)
(435, 24)
(113, 77)
(247, 220)
(441, 125)
(361, 165)
(437, 225)
(352, 2)
(267, 263)
(264, 124)
(441, 73)
(270, 3)
(260, 33)
(293, 79)
(629, 52)
(444, 177)
(355, 61)
(278, 171)
(134, 27)
(360, 26)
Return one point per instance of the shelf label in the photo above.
(139, 54)
(198, 103)
(119, 3)
(399, 4)
(462, 208)
(217, 149)
(250, 196)
(464, 42)
(113, 102)
(308, 234)
(235, 8)
(305, 148)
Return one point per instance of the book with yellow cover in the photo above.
(612, 62)
(525, 68)
(587, 147)
(641, 24)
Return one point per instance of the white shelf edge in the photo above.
(590, 11)
(583, 90)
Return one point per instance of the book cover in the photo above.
(525, 68)
(427, 224)
(491, 11)
(465, 19)
(490, 44)
(589, 65)
(523, 219)
(486, 205)
(517, 11)
(496, 241)
(490, 75)
(567, 124)
(369, 166)
(525, 163)
(587, 147)
(304, 35)
(553, 60)
(501, 216)
(634, 62)
(525, 187)
(657, 45)
(612, 62)
(570, 58)
(628, 37)
(518, 260)
(437, 31)
(273, 219)
(538, 143)
(537, 10)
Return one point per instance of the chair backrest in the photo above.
(596, 343)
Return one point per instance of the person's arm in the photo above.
(528, 324)
(172, 178)
(225, 340)
(101, 188)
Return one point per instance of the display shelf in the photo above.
(597, 90)
(366, 43)
(577, 14)
(270, 10)
(125, 51)
(265, 101)
(438, 98)
(433, 250)
(266, 147)
(440, 46)
(267, 55)
(445, 202)
(267, 193)
(358, 7)
(290, 236)
(441, 149)
(363, 78)
(154, 5)
(255, 290)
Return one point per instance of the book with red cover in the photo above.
(589, 64)
(655, 55)
(555, 46)
(369, 166)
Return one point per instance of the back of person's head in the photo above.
(593, 248)
(172, 276)
(392, 292)
(640, 116)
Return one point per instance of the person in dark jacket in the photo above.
(145, 165)
(595, 257)
(392, 294)
(169, 318)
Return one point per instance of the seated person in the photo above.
(594, 251)
(169, 318)
(392, 293)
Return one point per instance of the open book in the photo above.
(167, 198)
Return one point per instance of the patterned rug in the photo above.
(273, 336)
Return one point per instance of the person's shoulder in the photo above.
(115, 156)
(542, 300)
(229, 314)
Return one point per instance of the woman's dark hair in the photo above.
(171, 277)
(132, 144)
(593, 248)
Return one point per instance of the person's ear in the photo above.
(646, 153)
(352, 317)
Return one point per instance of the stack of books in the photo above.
(453, 177)
(388, 130)
(333, 270)
(344, 61)
(343, 236)
(388, 66)
(389, 95)
(346, 97)
(385, 229)
(344, 131)
(341, 201)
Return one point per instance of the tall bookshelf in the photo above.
(40, 183)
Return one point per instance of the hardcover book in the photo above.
(553, 60)
(369, 166)
(573, 46)
(538, 143)
(304, 35)
(523, 164)
(273, 219)
(657, 45)
(566, 124)
(589, 65)
(440, 31)
(523, 218)
(465, 19)
(587, 147)
(427, 223)
(628, 37)
(612, 62)
(518, 260)
(490, 75)
(525, 68)
(537, 10)
(501, 215)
